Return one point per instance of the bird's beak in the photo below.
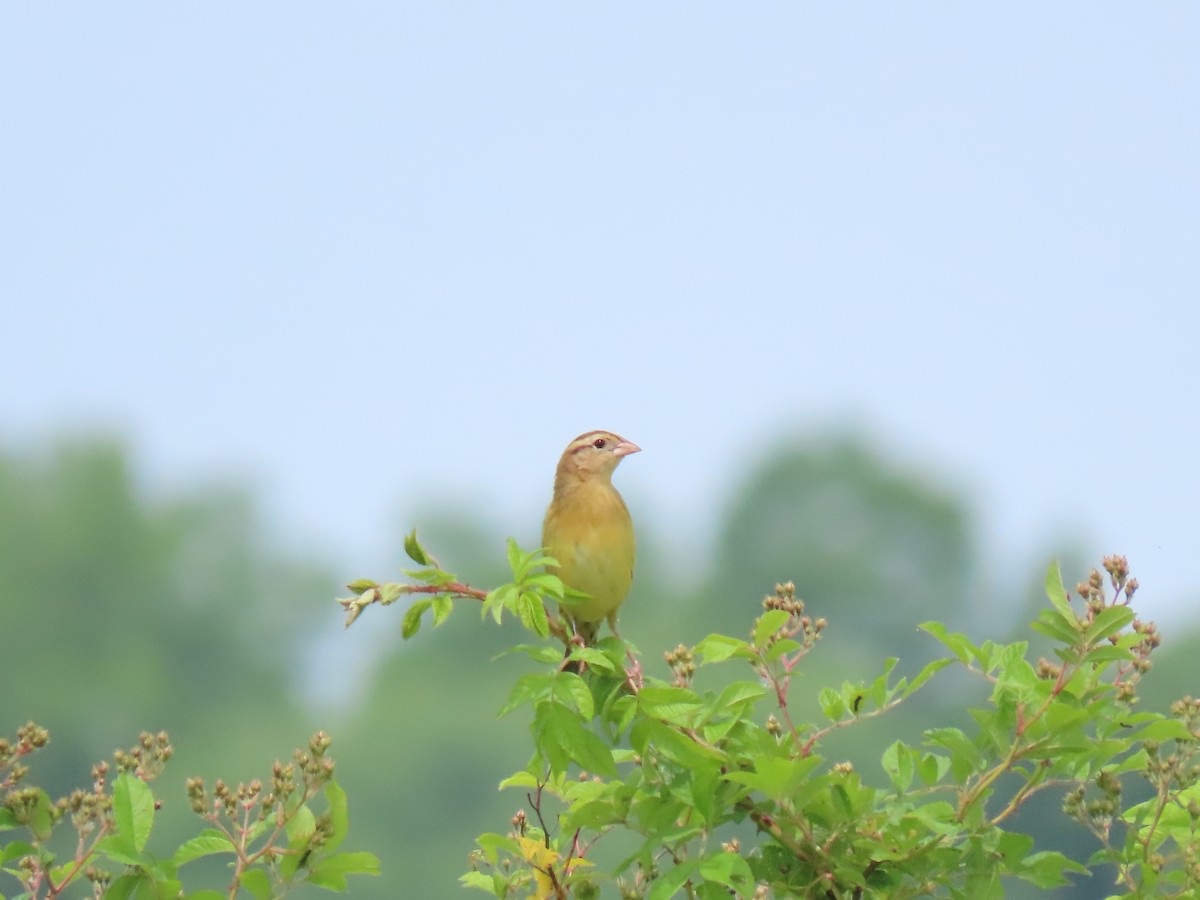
(624, 448)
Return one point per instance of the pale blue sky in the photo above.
(365, 252)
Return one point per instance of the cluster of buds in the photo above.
(518, 823)
(1178, 768)
(683, 664)
(1117, 568)
(147, 758)
(1187, 711)
(1095, 809)
(1092, 591)
(89, 809)
(310, 771)
(643, 878)
(799, 625)
(30, 737)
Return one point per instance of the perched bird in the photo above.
(589, 531)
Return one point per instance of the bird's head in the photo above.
(594, 454)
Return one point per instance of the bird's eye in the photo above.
(598, 443)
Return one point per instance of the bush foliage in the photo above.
(720, 792)
(273, 839)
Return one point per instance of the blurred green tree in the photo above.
(120, 613)
(868, 544)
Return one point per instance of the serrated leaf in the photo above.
(300, 826)
(539, 653)
(574, 692)
(899, 764)
(1108, 621)
(1057, 593)
(411, 623)
(516, 559)
(206, 844)
(442, 604)
(533, 614)
(728, 869)
(832, 704)
(257, 883)
(592, 657)
(719, 647)
(481, 881)
(1050, 623)
(768, 625)
(958, 644)
(133, 809)
(415, 552)
(331, 871)
(669, 883)
(520, 779)
(562, 737)
(928, 671)
(339, 815)
(526, 689)
(740, 694)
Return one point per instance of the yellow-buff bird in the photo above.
(589, 532)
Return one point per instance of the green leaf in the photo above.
(412, 618)
(728, 869)
(672, 704)
(1108, 621)
(768, 625)
(533, 614)
(257, 883)
(650, 736)
(483, 882)
(965, 757)
(1047, 869)
(958, 644)
(545, 584)
(526, 689)
(1051, 623)
(1058, 594)
(520, 779)
(899, 764)
(562, 737)
(497, 600)
(210, 841)
(119, 848)
(442, 606)
(416, 552)
(669, 883)
(718, 647)
(133, 809)
(774, 777)
(331, 871)
(539, 653)
(592, 657)
(120, 888)
(339, 816)
(572, 690)
(832, 704)
(932, 768)
(516, 559)
(930, 669)
(739, 695)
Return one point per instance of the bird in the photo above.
(589, 532)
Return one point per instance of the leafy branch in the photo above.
(676, 767)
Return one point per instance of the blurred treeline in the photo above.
(120, 613)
